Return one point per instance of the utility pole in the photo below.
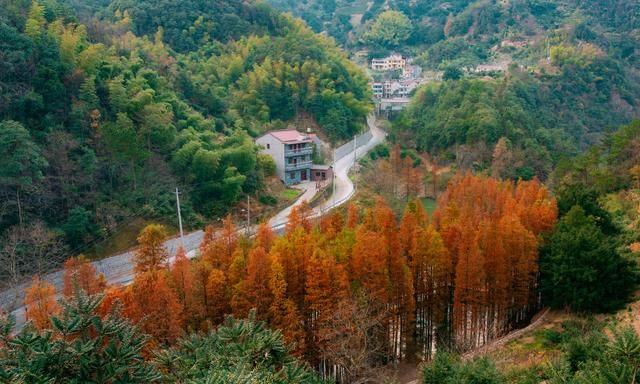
(179, 217)
(248, 214)
(355, 149)
(355, 161)
(333, 173)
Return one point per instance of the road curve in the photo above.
(118, 270)
(344, 188)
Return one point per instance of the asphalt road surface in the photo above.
(118, 270)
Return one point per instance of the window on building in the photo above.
(268, 146)
(317, 174)
(324, 175)
(292, 175)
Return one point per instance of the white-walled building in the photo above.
(394, 88)
(291, 151)
(388, 63)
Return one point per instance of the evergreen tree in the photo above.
(239, 351)
(21, 161)
(81, 347)
(449, 369)
(581, 268)
(88, 93)
(35, 22)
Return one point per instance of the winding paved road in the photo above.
(344, 188)
(119, 269)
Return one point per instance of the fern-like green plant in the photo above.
(81, 347)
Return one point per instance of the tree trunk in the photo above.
(133, 172)
(19, 208)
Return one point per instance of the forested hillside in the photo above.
(509, 190)
(106, 107)
(528, 80)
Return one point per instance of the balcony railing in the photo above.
(298, 152)
(298, 165)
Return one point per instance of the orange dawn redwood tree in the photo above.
(150, 302)
(217, 294)
(151, 254)
(218, 248)
(491, 229)
(254, 291)
(184, 285)
(462, 277)
(79, 273)
(40, 303)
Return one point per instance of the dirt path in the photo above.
(537, 320)
(409, 374)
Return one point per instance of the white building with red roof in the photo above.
(291, 150)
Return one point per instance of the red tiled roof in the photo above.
(291, 135)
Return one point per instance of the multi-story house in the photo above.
(388, 63)
(378, 90)
(291, 150)
(394, 88)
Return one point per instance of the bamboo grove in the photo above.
(348, 291)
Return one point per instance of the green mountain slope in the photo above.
(106, 107)
(543, 78)
(548, 78)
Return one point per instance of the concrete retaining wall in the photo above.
(347, 148)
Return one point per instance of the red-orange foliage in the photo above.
(80, 274)
(469, 293)
(220, 248)
(352, 216)
(331, 224)
(254, 290)
(299, 217)
(154, 306)
(368, 264)
(538, 211)
(491, 230)
(283, 313)
(237, 269)
(182, 276)
(264, 237)
(218, 296)
(40, 303)
(151, 254)
(295, 250)
(112, 295)
(470, 272)
(183, 284)
(327, 283)
(201, 300)
(208, 238)
(408, 229)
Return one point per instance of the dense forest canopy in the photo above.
(535, 79)
(349, 292)
(533, 120)
(468, 26)
(106, 106)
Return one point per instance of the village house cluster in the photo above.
(395, 88)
